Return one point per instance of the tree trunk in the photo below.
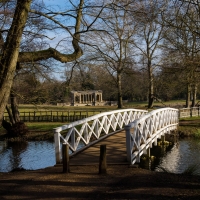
(119, 85)
(11, 118)
(151, 86)
(194, 95)
(10, 52)
(14, 108)
(188, 96)
(15, 127)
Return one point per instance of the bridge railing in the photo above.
(80, 134)
(141, 133)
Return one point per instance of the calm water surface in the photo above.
(175, 158)
(27, 155)
(37, 155)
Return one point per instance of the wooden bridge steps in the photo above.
(115, 151)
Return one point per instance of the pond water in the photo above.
(40, 154)
(175, 158)
(27, 155)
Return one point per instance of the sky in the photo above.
(58, 5)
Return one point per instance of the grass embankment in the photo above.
(36, 131)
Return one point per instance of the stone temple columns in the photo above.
(86, 97)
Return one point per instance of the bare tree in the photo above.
(112, 44)
(182, 43)
(148, 39)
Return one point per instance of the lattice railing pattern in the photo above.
(82, 133)
(144, 131)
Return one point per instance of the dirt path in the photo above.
(84, 182)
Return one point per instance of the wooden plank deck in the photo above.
(115, 151)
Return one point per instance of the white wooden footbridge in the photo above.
(127, 133)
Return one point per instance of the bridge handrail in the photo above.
(93, 128)
(145, 130)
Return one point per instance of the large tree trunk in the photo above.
(10, 52)
(14, 127)
(14, 108)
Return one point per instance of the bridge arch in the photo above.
(92, 129)
(141, 133)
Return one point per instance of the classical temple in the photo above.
(88, 97)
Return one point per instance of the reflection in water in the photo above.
(157, 152)
(184, 154)
(16, 149)
(174, 158)
(27, 155)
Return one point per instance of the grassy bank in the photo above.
(37, 131)
(189, 127)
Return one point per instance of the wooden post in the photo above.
(34, 116)
(148, 152)
(128, 143)
(65, 157)
(163, 139)
(102, 160)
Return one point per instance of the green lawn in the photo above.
(142, 105)
(43, 126)
(27, 108)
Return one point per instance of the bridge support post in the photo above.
(57, 147)
(128, 142)
(65, 157)
(148, 152)
(163, 139)
(102, 160)
(155, 142)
